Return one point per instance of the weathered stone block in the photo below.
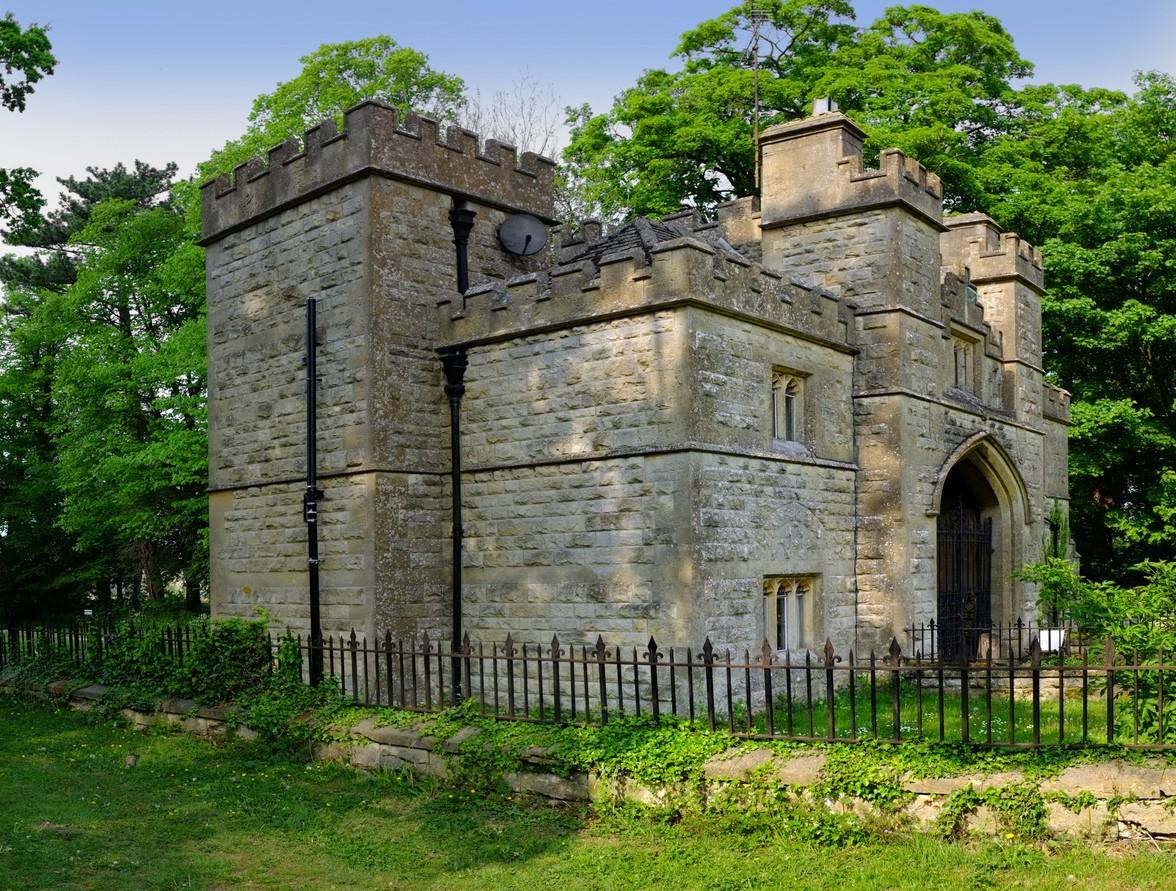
(1154, 817)
(1113, 779)
(549, 785)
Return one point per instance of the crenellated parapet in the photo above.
(678, 272)
(375, 141)
(739, 221)
(1055, 403)
(962, 307)
(975, 241)
(813, 169)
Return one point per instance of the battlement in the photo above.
(975, 241)
(375, 141)
(1056, 403)
(813, 168)
(678, 270)
(739, 221)
(960, 304)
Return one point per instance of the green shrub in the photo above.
(1062, 591)
(228, 658)
(281, 708)
(135, 658)
(1142, 623)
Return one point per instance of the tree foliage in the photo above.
(335, 77)
(1090, 176)
(54, 265)
(102, 454)
(935, 84)
(27, 54)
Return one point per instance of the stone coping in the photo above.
(1107, 800)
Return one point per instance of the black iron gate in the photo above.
(965, 579)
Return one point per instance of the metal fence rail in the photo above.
(927, 640)
(1085, 696)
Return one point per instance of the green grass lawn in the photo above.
(191, 815)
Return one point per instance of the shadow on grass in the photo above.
(189, 814)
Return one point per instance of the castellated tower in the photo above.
(950, 408)
(360, 220)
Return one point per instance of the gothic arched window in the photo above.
(787, 611)
(787, 406)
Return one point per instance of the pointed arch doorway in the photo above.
(964, 560)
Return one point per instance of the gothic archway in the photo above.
(964, 561)
(982, 505)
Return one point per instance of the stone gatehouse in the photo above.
(819, 412)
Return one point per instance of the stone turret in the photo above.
(1007, 274)
(360, 220)
(813, 169)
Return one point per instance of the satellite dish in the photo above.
(522, 235)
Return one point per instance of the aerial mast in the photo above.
(757, 17)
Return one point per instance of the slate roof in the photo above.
(645, 235)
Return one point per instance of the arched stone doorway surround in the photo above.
(982, 468)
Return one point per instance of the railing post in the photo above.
(508, 651)
(830, 659)
(602, 685)
(466, 690)
(853, 723)
(1035, 665)
(426, 651)
(708, 661)
(353, 645)
(555, 653)
(965, 706)
(894, 660)
(1109, 651)
(653, 655)
(766, 655)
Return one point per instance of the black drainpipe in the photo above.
(461, 218)
(455, 365)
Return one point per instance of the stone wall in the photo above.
(1102, 801)
(623, 480)
(358, 220)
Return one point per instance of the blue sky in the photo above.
(171, 80)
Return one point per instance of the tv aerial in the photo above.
(522, 234)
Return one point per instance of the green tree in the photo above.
(41, 565)
(27, 54)
(54, 264)
(686, 136)
(335, 77)
(1090, 176)
(50, 568)
(129, 395)
(937, 85)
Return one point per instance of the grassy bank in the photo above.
(187, 814)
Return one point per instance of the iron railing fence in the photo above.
(931, 641)
(1069, 699)
(86, 642)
